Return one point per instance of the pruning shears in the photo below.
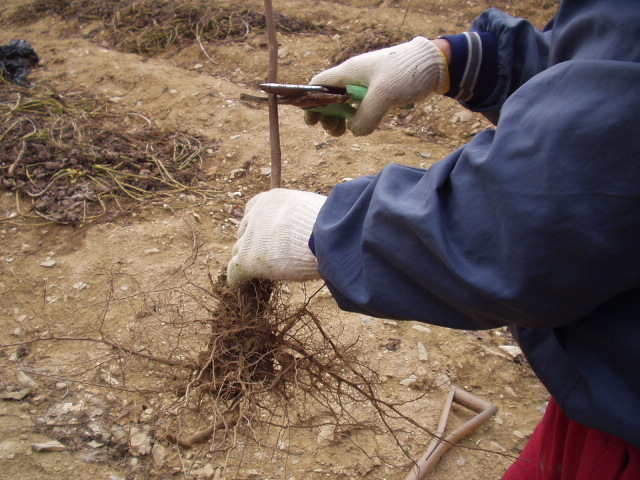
(330, 101)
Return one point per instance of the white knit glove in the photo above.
(273, 238)
(396, 76)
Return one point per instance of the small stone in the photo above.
(519, 434)
(159, 454)
(367, 321)
(237, 173)
(497, 446)
(512, 350)
(462, 116)
(423, 355)
(149, 251)
(510, 391)
(265, 171)
(52, 446)
(207, 472)
(139, 443)
(80, 286)
(95, 444)
(19, 332)
(327, 434)
(119, 434)
(421, 328)
(461, 461)
(410, 380)
(18, 395)
(48, 263)
(26, 380)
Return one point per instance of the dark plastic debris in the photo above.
(17, 58)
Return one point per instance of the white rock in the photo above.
(52, 446)
(26, 380)
(423, 355)
(512, 350)
(48, 263)
(421, 328)
(159, 454)
(139, 443)
(327, 434)
(410, 380)
(19, 332)
(207, 472)
(462, 116)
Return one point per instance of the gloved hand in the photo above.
(273, 238)
(396, 76)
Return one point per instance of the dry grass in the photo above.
(150, 27)
(69, 159)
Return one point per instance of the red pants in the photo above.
(563, 449)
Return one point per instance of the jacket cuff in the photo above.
(312, 244)
(473, 65)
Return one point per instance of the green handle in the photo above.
(343, 110)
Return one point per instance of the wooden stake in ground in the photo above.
(272, 77)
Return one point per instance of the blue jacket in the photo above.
(534, 225)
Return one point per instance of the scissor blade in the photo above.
(289, 89)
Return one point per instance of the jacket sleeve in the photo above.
(498, 55)
(534, 224)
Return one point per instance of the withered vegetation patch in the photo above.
(68, 158)
(150, 27)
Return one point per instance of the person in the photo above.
(534, 224)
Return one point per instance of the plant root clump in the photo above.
(261, 353)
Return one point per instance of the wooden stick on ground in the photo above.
(440, 445)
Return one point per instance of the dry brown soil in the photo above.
(100, 275)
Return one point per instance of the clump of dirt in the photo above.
(150, 27)
(73, 158)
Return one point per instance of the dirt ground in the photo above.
(105, 278)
